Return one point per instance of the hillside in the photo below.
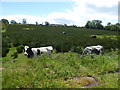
(66, 68)
(75, 38)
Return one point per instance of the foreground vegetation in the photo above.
(61, 70)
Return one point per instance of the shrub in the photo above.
(19, 49)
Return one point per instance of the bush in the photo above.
(19, 49)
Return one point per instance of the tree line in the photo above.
(94, 24)
(97, 24)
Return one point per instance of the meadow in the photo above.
(66, 67)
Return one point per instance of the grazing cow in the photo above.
(93, 36)
(63, 32)
(93, 49)
(34, 52)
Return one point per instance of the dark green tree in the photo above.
(4, 23)
(46, 23)
(36, 23)
(88, 24)
(24, 21)
(113, 27)
(13, 22)
(94, 24)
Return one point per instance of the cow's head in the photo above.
(28, 51)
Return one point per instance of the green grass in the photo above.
(113, 37)
(51, 72)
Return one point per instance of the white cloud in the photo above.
(69, 17)
(19, 18)
(83, 10)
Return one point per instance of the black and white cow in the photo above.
(93, 49)
(63, 32)
(94, 36)
(34, 52)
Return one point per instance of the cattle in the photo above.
(34, 52)
(93, 49)
(63, 32)
(94, 36)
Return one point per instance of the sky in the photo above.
(70, 12)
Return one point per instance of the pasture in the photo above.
(65, 68)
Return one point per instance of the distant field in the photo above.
(66, 68)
